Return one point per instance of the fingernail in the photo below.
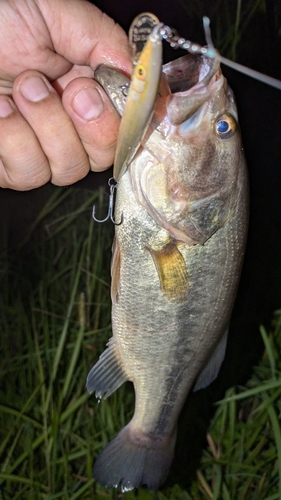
(34, 89)
(6, 108)
(88, 103)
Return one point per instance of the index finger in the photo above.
(84, 35)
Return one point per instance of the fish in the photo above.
(176, 263)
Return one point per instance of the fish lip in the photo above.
(114, 82)
(192, 80)
(187, 69)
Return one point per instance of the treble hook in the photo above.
(113, 186)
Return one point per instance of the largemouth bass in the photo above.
(177, 258)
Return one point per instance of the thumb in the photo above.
(84, 35)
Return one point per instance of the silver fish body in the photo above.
(176, 264)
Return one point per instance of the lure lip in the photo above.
(157, 33)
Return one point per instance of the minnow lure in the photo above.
(140, 102)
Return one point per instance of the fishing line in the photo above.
(178, 42)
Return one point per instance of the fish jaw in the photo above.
(194, 79)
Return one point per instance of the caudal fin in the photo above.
(133, 459)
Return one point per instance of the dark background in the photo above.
(259, 109)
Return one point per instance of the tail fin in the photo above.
(133, 459)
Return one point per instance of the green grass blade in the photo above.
(269, 351)
(277, 434)
(267, 386)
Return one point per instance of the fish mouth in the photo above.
(187, 71)
(192, 79)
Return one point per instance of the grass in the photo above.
(243, 460)
(55, 321)
(229, 20)
(232, 21)
(51, 330)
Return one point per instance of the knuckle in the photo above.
(101, 162)
(70, 171)
(22, 177)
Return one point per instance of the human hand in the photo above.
(55, 121)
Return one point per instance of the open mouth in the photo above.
(187, 71)
(192, 79)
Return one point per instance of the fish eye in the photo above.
(225, 126)
(141, 73)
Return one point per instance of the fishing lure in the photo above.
(140, 102)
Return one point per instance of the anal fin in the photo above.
(212, 368)
(172, 271)
(107, 374)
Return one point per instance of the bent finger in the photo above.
(95, 119)
(43, 110)
(94, 38)
(23, 164)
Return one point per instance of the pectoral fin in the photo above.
(212, 368)
(107, 374)
(172, 271)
